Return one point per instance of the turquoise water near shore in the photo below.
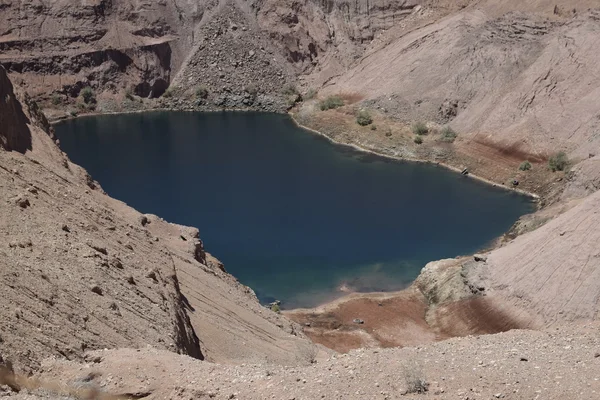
(290, 214)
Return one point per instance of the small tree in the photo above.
(448, 134)
(87, 94)
(56, 99)
(290, 90)
(419, 128)
(418, 139)
(558, 162)
(201, 92)
(331, 102)
(363, 118)
(525, 166)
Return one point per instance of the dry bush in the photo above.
(414, 378)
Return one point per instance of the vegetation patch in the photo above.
(448, 135)
(558, 162)
(201, 92)
(290, 90)
(418, 139)
(419, 128)
(56, 99)
(88, 95)
(525, 166)
(331, 102)
(310, 94)
(414, 379)
(129, 94)
(363, 118)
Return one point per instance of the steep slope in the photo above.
(83, 271)
(549, 275)
(230, 48)
(78, 271)
(519, 81)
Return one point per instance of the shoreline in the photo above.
(354, 146)
(55, 121)
(357, 147)
(351, 296)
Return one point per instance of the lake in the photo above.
(290, 214)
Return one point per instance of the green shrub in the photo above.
(363, 118)
(331, 102)
(310, 94)
(290, 90)
(201, 92)
(87, 94)
(419, 128)
(558, 162)
(276, 308)
(373, 127)
(56, 99)
(525, 166)
(448, 134)
(418, 139)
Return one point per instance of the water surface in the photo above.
(290, 214)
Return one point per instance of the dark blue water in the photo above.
(290, 214)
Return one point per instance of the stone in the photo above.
(358, 321)
(115, 262)
(99, 249)
(152, 275)
(97, 289)
(65, 228)
(480, 258)
(144, 220)
(22, 202)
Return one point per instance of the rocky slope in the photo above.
(556, 364)
(83, 271)
(518, 80)
(231, 48)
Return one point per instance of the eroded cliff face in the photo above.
(238, 51)
(62, 46)
(82, 271)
